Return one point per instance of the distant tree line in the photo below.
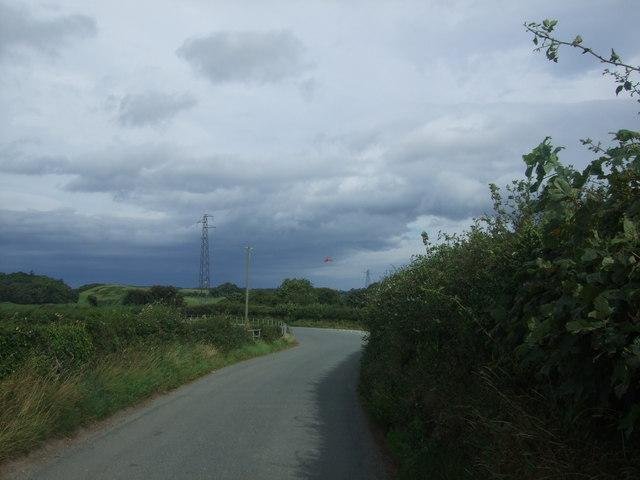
(28, 288)
(298, 291)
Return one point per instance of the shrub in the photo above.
(27, 288)
(296, 290)
(521, 333)
(167, 295)
(136, 297)
(68, 337)
(225, 290)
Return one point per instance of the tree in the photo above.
(225, 290)
(328, 296)
(26, 288)
(167, 295)
(297, 290)
(136, 297)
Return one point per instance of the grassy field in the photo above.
(112, 294)
(36, 406)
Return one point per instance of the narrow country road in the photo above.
(290, 415)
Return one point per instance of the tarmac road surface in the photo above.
(290, 415)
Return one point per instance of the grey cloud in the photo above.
(20, 29)
(248, 57)
(332, 206)
(152, 108)
(32, 165)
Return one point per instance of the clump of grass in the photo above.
(37, 403)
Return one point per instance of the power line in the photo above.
(203, 284)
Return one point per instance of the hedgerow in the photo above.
(69, 337)
(285, 311)
(513, 350)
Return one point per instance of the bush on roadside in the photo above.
(534, 309)
(72, 337)
(513, 350)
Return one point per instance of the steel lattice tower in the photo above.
(367, 278)
(204, 251)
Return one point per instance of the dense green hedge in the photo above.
(289, 311)
(520, 334)
(68, 336)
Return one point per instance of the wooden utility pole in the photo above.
(246, 282)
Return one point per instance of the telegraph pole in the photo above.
(246, 282)
(203, 284)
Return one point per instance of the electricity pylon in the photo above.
(367, 278)
(204, 252)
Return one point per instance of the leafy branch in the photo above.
(623, 73)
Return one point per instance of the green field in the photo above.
(113, 295)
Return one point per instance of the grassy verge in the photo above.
(37, 404)
(337, 324)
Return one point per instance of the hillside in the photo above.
(112, 294)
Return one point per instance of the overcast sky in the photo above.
(307, 129)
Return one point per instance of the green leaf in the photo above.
(528, 171)
(619, 89)
(535, 40)
(629, 228)
(589, 255)
(607, 262)
(580, 326)
(577, 40)
(602, 306)
(614, 56)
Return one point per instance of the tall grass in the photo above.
(38, 403)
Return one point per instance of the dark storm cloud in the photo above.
(19, 28)
(152, 108)
(293, 211)
(248, 57)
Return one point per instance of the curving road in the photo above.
(291, 415)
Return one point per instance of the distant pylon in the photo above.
(367, 278)
(204, 251)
